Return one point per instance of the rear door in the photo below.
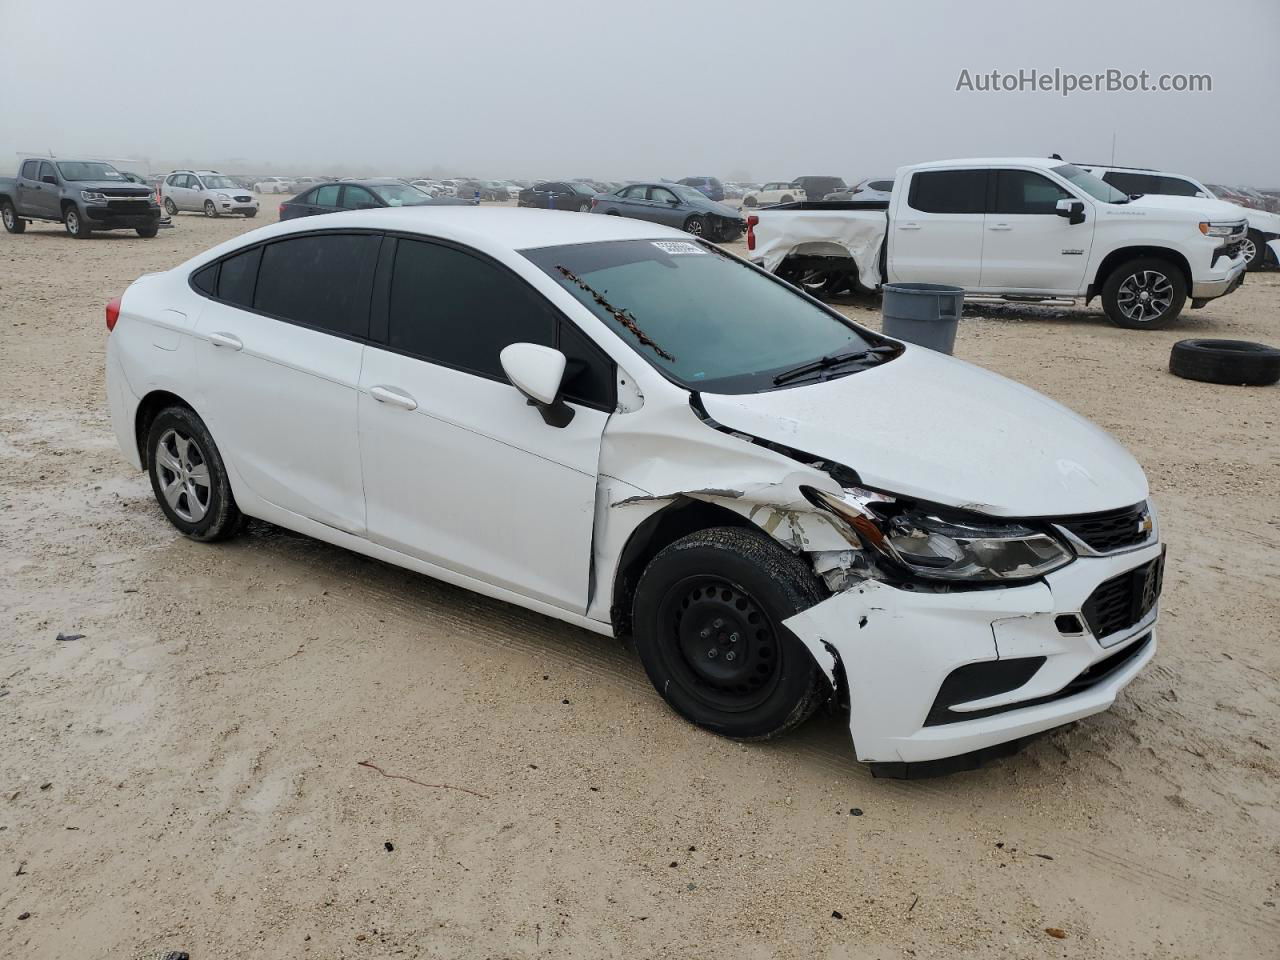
(279, 364)
(1027, 247)
(27, 195)
(45, 200)
(936, 232)
(459, 469)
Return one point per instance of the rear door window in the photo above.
(948, 191)
(30, 169)
(238, 277)
(460, 310)
(322, 281)
(326, 196)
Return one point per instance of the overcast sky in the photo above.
(561, 88)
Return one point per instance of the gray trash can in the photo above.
(922, 313)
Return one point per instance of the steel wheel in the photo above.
(723, 646)
(184, 475)
(1144, 296)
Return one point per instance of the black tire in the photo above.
(729, 587)
(210, 210)
(211, 514)
(146, 233)
(730, 234)
(1159, 279)
(584, 207)
(77, 224)
(787, 198)
(12, 222)
(170, 207)
(695, 225)
(749, 201)
(250, 214)
(1232, 362)
(1260, 257)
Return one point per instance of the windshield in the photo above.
(400, 194)
(220, 183)
(1090, 184)
(706, 320)
(89, 170)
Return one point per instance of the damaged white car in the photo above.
(635, 432)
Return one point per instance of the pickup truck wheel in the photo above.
(1144, 294)
(708, 627)
(209, 209)
(188, 476)
(12, 222)
(1254, 250)
(77, 225)
(1231, 362)
(695, 226)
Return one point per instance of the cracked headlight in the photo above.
(938, 547)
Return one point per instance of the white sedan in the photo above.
(634, 432)
(273, 185)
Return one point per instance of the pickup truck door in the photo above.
(1028, 247)
(936, 231)
(42, 197)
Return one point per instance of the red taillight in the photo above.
(594, 203)
(113, 314)
(751, 231)
(280, 212)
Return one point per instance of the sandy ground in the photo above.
(185, 775)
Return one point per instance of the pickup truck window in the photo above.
(1090, 184)
(29, 169)
(1023, 191)
(46, 170)
(948, 191)
(88, 170)
(707, 321)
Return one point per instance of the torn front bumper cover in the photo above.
(904, 655)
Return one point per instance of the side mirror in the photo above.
(1073, 210)
(538, 373)
(49, 178)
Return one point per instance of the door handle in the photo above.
(908, 226)
(999, 226)
(396, 398)
(226, 340)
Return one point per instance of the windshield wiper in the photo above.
(833, 360)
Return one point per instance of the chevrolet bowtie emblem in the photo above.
(1144, 523)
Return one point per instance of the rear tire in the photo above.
(12, 222)
(1144, 294)
(189, 478)
(707, 618)
(146, 233)
(77, 224)
(788, 198)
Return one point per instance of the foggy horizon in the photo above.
(566, 89)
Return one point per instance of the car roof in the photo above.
(1045, 163)
(486, 228)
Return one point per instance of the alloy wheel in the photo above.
(1248, 250)
(8, 217)
(184, 475)
(1145, 296)
(694, 226)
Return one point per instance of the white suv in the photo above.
(207, 192)
(634, 432)
(776, 191)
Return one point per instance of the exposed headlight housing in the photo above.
(930, 544)
(93, 196)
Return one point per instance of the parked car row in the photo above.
(362, 195)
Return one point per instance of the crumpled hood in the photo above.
(1218, 210)
(929, 426)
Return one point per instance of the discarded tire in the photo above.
(1236, 362)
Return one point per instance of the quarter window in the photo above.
(948, 191)
(453, 308)
(1021, 191)
(321, 281)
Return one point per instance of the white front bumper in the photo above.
(896, 647)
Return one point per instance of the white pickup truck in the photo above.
(1017, 228)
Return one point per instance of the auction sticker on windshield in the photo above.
(678, 247)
